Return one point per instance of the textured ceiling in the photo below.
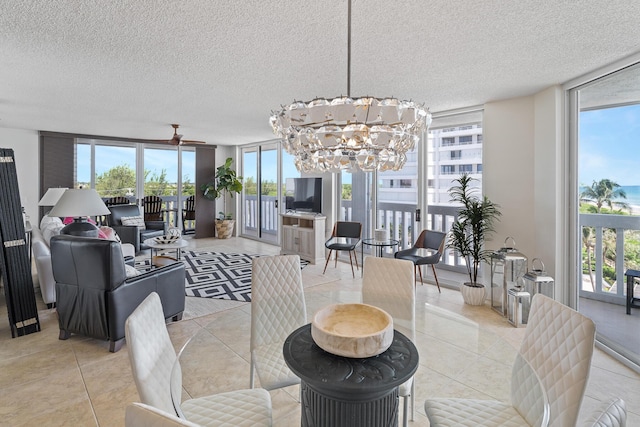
(129, 68)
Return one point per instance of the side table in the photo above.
(340, 391)
(155, 247)
(379, 246)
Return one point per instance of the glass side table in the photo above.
(378, 246)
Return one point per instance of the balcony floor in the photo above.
(614, 324)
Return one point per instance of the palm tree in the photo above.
(604, 192)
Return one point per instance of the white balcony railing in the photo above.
(608, 235)
(399, 218)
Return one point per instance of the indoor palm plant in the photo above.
(225, 182)
(474, 226)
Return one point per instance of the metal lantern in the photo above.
(507, 266)
(537, 281)
(518, 306)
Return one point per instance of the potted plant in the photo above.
(225, 182)
(474, 226)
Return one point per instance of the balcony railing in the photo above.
(399, 218)
(612, 242)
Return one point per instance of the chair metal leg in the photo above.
(355, 255)
(327, 263)
(433, 267)
(405, 409)
(252, 368)
(420, 271)
(351, 262)
(413, 400)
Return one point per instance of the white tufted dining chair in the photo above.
(387, 283)
(141, 415)
(277, 309)
(612, 413)
(556, 352)
(158, 377)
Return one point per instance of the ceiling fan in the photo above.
(177, 138)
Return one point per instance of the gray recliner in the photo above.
(94, 294)
(131, 233)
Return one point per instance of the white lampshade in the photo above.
(77, 203)
(52, 196)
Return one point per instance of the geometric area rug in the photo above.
(218, 275)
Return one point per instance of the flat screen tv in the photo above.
(303, 194)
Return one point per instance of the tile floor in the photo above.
(44, 381)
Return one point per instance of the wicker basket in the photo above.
(224, 228)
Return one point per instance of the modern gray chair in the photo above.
(428, 239)
(344, 237)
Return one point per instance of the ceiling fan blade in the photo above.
(190, 141)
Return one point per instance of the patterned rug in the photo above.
(217, 275)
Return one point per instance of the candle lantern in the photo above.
(518, 305)
(507, 266)
(537, 281)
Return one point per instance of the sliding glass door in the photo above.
(261, 192)
(606, 131)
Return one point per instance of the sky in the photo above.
(609, 145)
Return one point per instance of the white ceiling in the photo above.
(129, 68)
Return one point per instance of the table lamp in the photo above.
(80, 204)
(52, 196)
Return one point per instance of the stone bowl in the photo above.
(166, 239)
(352, 330)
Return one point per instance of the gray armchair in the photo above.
(131, 233)
(94, 294)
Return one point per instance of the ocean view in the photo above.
(633, 195)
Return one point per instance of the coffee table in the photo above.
(174, 246)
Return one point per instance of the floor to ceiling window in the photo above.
(133, 170)
(454, 148)
(607, 131)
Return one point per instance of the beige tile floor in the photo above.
(47, 382)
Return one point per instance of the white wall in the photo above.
(548, 172)
(522, 173)
(25, 148)
(508, 169)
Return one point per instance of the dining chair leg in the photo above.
(355, 255)
(433, 267)
(405, 410)
(413, 399)
(251, 369)
(335, 264)
(351, 262)
(327, 263)
(420, 271)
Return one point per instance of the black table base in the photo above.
(321, 410)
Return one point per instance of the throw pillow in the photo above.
(49, 227)
(130, 271)
(133, 220)
(109, 233)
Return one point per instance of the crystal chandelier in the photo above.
(345, 133)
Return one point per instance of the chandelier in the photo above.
(345, 133)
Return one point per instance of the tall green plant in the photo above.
(474, 226)
(225, 182)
